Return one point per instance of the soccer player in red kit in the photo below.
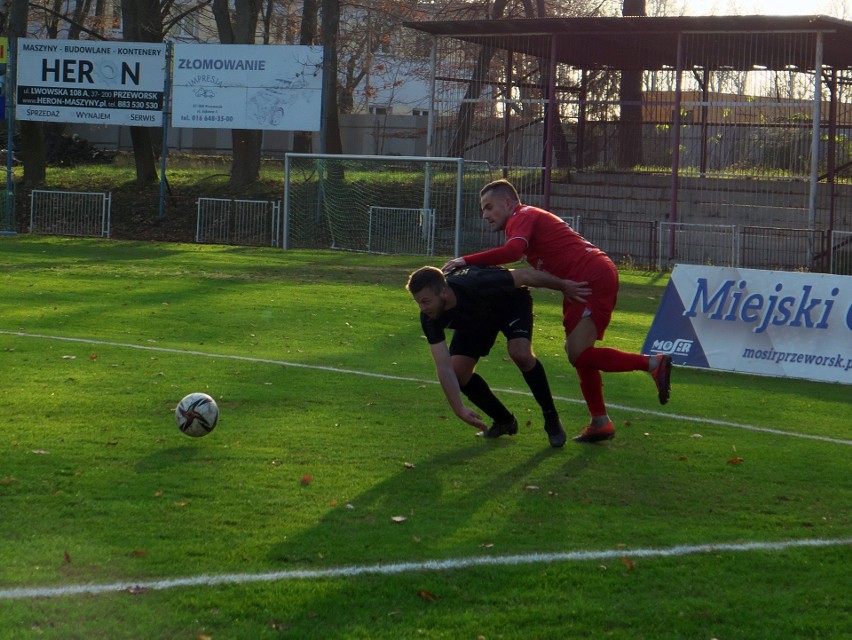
(549, 244)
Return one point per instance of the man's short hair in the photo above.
(501, 188)
(431, 278)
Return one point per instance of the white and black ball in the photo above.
(197, 414)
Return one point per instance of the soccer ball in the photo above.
(197, 414)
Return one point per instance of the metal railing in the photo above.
(243, 222)
(70, 213)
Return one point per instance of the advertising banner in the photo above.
(276, 87)
(785, 324)
(92, 82)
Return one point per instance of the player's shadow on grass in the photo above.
(166, 459)
(416, 513)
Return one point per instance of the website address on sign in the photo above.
(835, 361)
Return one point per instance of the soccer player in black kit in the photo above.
(477, 303)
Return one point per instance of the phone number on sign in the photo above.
(212, 118)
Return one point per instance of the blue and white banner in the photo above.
(785, 324)
(121, 83)
(274, 87)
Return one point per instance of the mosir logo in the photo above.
(679, 347)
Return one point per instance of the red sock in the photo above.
(611, 360)
(591, 386)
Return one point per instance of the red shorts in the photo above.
(602, 276)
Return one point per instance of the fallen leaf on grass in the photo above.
(408, 465)
(306, 479)
(7, 480)
(428, 596)
(67, 557)
(628, 563)
(736, 461)
(139, 553)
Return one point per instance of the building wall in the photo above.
(361, 134)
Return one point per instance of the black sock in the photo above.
(480, 394)
(537, 381)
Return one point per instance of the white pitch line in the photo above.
(385, 376)
(409, 567)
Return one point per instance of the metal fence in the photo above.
(627, 242)
(233, 221)
(70, 213)
(646, 244)
(777, 248)
(841, 252)
(681, 242)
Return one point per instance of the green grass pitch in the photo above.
(338, 497)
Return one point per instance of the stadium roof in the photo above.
(716, 42)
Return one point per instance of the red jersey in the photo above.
(545, 241)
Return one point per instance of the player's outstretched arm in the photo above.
(450, 386)
(573, 291)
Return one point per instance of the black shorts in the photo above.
(516, 321)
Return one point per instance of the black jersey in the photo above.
(486, 301)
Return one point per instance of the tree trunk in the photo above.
(246, 143)
(331, 30)
(303, 141)
(630, 98)
(141, 22)
(32, 133)
(464, 120)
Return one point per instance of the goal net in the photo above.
(398, 230)
(408, 205)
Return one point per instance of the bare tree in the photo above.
(142, 22)
(241, 28)
(331, 31)
(303, 140)
(32, 133)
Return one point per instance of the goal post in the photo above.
(387, 204)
